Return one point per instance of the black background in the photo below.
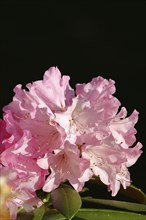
(84, 39)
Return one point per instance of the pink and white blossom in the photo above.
(50, 134)
(15, 195)
(66, 164)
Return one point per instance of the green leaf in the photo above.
(91, 214)
(131, 192)
(39, 213)
(53, 215)
(66, 200)
(134, 193)
(104, 214)
(118, 204)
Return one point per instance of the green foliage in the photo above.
(103, 214)
(53, 215)
(136, 207)
(66, 200)
(64, 203)
(134, 193)
(39, 213)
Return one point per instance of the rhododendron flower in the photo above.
(15, 194)
(66, 165)
(50, 134)
(53, 91)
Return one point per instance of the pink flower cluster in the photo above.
(50, 133)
